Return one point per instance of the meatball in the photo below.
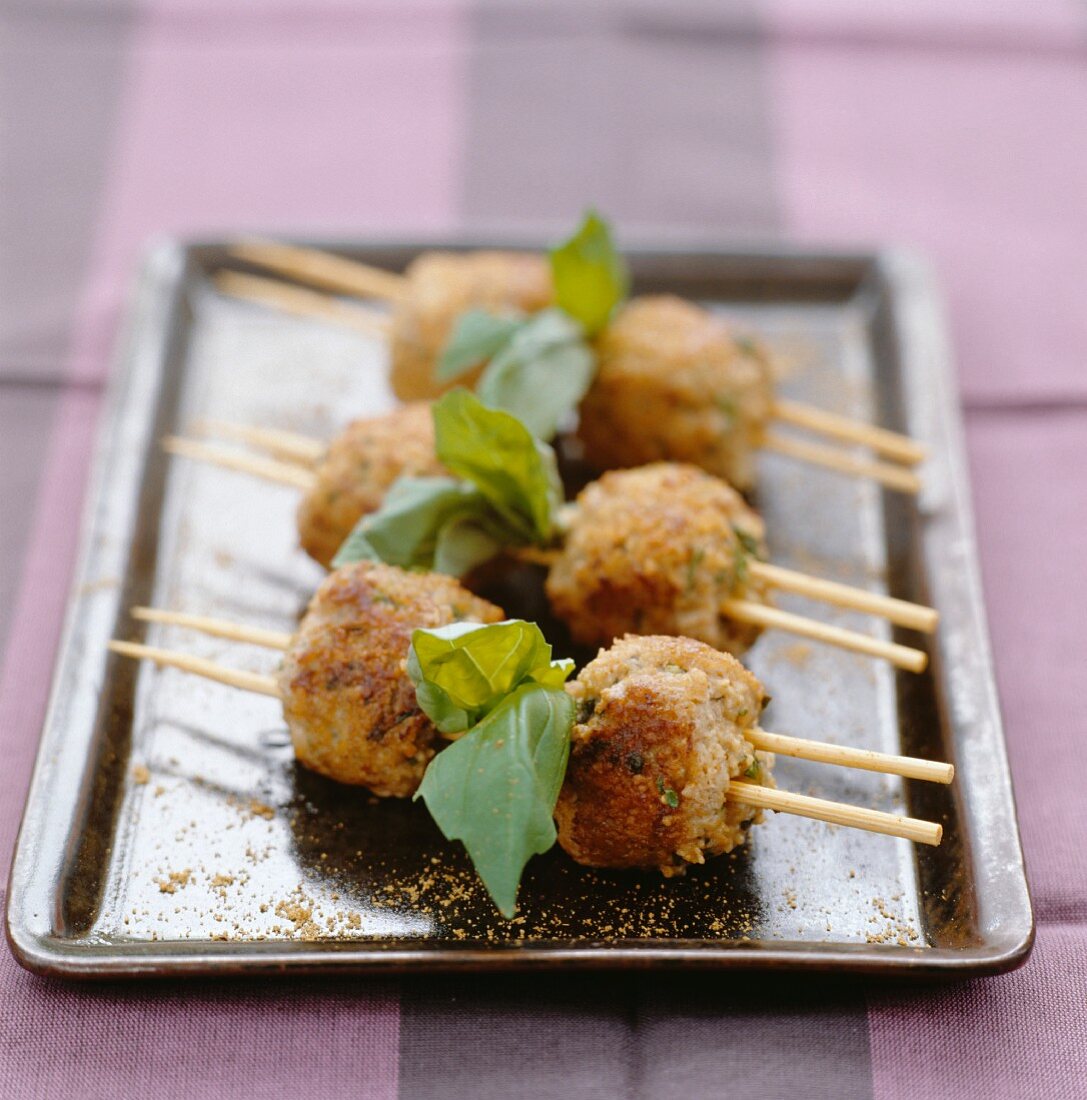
(442, 286)
(359, 469)
(674, 383)
(656, 550)
(658, 739)
(347, 698)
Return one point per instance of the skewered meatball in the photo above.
(673, 383)
(656, 550)
(659, 737)
(358, 470)
(348, 702)
(442, 286)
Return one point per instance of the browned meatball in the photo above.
(655, 550)
(359, 469)
(659, 737)
(442, 286)
(347, 698)
(673, 383)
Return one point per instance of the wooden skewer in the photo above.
(749, 794)
(897, 611)
(218, 628)
(282, 473)
(336, 273)
(901, 612)
(301, 302)
(834, 458)
(819, 751)
(910, 767)
(837, 813)
(881, 440)
(747, 611)
(247, 681)
(323, 269)
(299, 449)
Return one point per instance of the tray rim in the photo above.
(156, 296)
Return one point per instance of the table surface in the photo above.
(957, 128)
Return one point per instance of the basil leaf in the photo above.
(510, 494)
(554, 674)
(476, 337)
(463, 671)
(516, 473)
(464, 543)
(541, 374)
(407, 529)
(495, 789)
(589, 274)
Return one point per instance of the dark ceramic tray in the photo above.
(168, 831)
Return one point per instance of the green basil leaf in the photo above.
(555, 674)
(476, 337)
(499, 456)
(406, 530)
(541, 374)
(495, 789)
(463, 543)
(463, 671)
(589, 274)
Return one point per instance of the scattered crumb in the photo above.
(141, 774)
(174, 881)
(895, 930)
(261, 809)
(253, 807)
(298, 909)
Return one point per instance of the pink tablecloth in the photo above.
(959, 128)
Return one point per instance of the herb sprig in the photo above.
(540, 367)
(506, 492)
(589, 274)
(496, 786)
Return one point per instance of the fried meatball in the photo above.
(674, 383)
(347, 698)
(358, 470)
(655, 550)
(442, 286)
(659, 737)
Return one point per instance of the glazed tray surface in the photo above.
(168, 830)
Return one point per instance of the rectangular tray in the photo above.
(168, 831)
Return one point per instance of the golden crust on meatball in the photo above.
(442, 286)
(674, 383)
(359, 469)
(655, 550)
(658, 739)
(347, 699)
